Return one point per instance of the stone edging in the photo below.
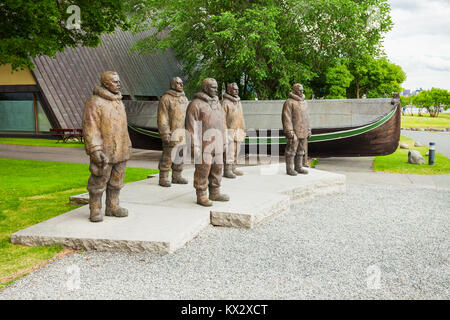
(428, 129)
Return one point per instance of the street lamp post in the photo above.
(431, 154)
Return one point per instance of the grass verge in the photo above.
(398, 161)
(34, 191)
(443, 121)
(314, 162)
(41, 142)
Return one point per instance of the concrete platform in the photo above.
(146, 229)
(163, 219)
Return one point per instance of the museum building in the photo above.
(53, 94)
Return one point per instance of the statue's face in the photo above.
(177, 85)
(113, 84)
(211, 90)
(234, 90)
(298, 90)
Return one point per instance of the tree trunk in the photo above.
(245, 87)
(357, 89)
(434, 113)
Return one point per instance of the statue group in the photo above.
(211, 129)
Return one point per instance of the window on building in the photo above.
(146, 98)
(22, 112)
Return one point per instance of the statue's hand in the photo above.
(309, 133)
(99, 158)
(291, 135)
(176, 142)
(166, 138)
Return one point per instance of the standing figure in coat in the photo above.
(206, 126)
(171, 118)
(105, 132)
(297, 130)
(234, 121)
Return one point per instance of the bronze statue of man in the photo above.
(105, 132)
(206, 126)
(297, 129)
(171, 118)
(234, 121)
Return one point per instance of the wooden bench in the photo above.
(66, 134)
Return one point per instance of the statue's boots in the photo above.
(112, 204)
(298, 165)
(202, 199)
(306, 161)
(215, 195)
(164, 179)
(228, 171)
(236, 171)
(290, 165)
(177, 178)
(95, 207)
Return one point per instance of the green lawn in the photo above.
(443, 121)
(41, 142)
(398, 161)
(34, 191)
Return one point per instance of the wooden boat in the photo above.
(340, 128)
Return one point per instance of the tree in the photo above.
(29, 28)
(264, 45)
(375, 77)
(338, 79)
(406, 102)
(432, 100)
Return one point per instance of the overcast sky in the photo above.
(420, 42)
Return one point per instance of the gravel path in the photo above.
(334, 247)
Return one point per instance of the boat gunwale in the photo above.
(379, 121)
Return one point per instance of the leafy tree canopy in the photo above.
(267, 45)
(432, 100)
(405, 101)
(363, 76)
(374, 77)
(29, 28)
(338, 79)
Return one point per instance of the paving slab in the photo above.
(263, 192)
(162, 220)
(273, 179)
(347, 164)
(146, 229)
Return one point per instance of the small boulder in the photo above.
(404, 146)
(418, 144)
(415, 157)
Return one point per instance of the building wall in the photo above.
(21, 77)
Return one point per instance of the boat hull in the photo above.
(378, 141)
(375, 139)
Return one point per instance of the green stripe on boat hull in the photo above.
(282, 140)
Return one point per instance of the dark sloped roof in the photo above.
(66, 82)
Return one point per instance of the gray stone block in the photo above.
(147, 228)
(414, 157)
(161, 220)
